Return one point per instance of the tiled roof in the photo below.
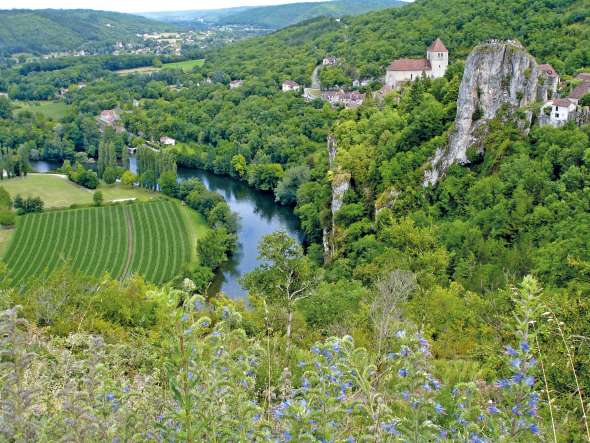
(584, 76)
(581, 90)
(562, 102)
(548, 69)
(438, 46)
(410, 64)
(290, 83)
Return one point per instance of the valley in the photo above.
(365, 225)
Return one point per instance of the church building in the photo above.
(408, 69)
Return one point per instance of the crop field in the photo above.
(150, 239)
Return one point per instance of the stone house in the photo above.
(405, 70)
(552, 77)
(290, 85)
(329, 61)
(559, 111)
(349, 100)
(168, 141)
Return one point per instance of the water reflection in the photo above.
(259, 216)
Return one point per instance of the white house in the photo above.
(165, 140)
(290, 85)
(404, 70)
(559, 111)
(236, 84)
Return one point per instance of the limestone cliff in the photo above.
(498, 75)
(340, 184)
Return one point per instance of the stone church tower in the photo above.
(438, 56)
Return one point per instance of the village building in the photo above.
(290, 85)
(349, 100)
(559, 111)
(108, 117)
(234, 84)
(583, 76)
(405, 70)
(580, 91)
(168, 141)
(552, 76)
(329, 61)
(361, 83)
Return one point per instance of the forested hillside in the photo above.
(284, 15)
(552, 30)
(53, 30)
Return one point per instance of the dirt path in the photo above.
(129, 221)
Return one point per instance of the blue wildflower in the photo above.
(390, 428)
(287, 436)
(534, 429)
(439, 409)
(315, 350)
(511, 351)
(403, 372)
(205, 324)
(503, 383)
(126, 389)
(515, 411)
(350, 439)
(493, 410)
(517, 378)
(336, 346)
(529, 381)
(524, 347)
(401, 333)
(110, 396)
(515, 363)
(184, 317)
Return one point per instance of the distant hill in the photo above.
(278, 16)
(54, 30)
(285, 15)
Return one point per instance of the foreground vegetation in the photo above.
(149, 239)
(441, 262)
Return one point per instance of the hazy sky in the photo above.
(138, 5)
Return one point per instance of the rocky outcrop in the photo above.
(340, 185)
(340, 179)
(498, 75)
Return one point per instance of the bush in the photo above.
(7, 217)
(98, 198)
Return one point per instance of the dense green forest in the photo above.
(280, 16)
(51, 30)
(426, 284)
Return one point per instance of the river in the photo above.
(258, 213)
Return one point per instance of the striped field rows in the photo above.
(150, 239)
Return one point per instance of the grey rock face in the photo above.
(340, 180)
(497, 75)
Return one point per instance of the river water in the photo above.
(258, 213)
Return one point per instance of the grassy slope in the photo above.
(50, 109)
(58, 192)
(186, 66)
(48, 30)
(285, 15)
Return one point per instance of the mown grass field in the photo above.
(58, 192)
(151, 239)
(55, 110)
(186, 66)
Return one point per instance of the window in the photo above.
(557, 115)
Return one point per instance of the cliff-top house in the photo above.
(405, 70)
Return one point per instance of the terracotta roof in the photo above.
(562, 102)
(410, 64)
(438, 46)
(581, 90)
(548, 69)
(290, 83)
(584, 76)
